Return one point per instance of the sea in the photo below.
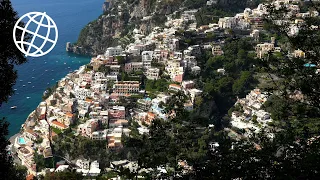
(35, 76)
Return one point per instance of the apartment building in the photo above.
(217, 50)
(153, 73)
(126, 88)
(147, 57)
(113, 51)
(263, 49)
(133, 66)
(117, 112)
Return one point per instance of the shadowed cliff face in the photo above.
(119, 21)
(96, 36)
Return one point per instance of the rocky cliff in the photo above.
(118, 21)
(120, 17)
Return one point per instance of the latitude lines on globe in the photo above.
(38, 50)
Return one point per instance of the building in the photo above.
(133, 67)
(263, 49)
(195, 70)
(299, 54)
(221, 71)
(113, 51)
(114, 138)
(174, 70)
(58, 125)
(255, 34)
(114, 70)
(144, 104)
(195, 50)
(82, 93)
(174, 87)
(99, 135)
(88, 127)
(117, 123)
(189, 15)
(94, 169)
(194, 93)
(149, 118)
(189, 62)
(227, 22)
(147, 57)
(126, 88)
(152, 73)
(117, 112)
(217, 50)
(187, 84)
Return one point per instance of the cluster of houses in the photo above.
(89, 99)
(251, 116)
(34, 138)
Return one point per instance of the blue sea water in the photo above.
(70, 17)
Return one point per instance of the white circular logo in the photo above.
(37, 21)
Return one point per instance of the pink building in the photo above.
(117, 112)
(179, 78)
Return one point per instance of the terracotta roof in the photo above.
(69, 114)
(175, 85)
(30, 177)
(119, 121)
(59, 124)
(151, 114)
(89, 100)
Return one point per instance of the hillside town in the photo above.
(94, 101)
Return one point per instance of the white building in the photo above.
(227, 22)
(114, 51)
(82, 93)
(147, 57)
(153, 73)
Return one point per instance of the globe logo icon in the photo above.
(43, 32)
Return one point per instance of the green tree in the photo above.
(9, 57)
(65, 175)
(8, 170)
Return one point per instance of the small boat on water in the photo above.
(64, 63)
(33, 77)
(14, 107)
(15, 89)
(23, 85)
(68, 67)
(28, 97)
(46, 70)
(21, 80)
(32, 86)
(29, 82)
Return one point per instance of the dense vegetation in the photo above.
(292, 154)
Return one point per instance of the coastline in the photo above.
(12, 138)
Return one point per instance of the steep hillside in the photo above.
(114, 27)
